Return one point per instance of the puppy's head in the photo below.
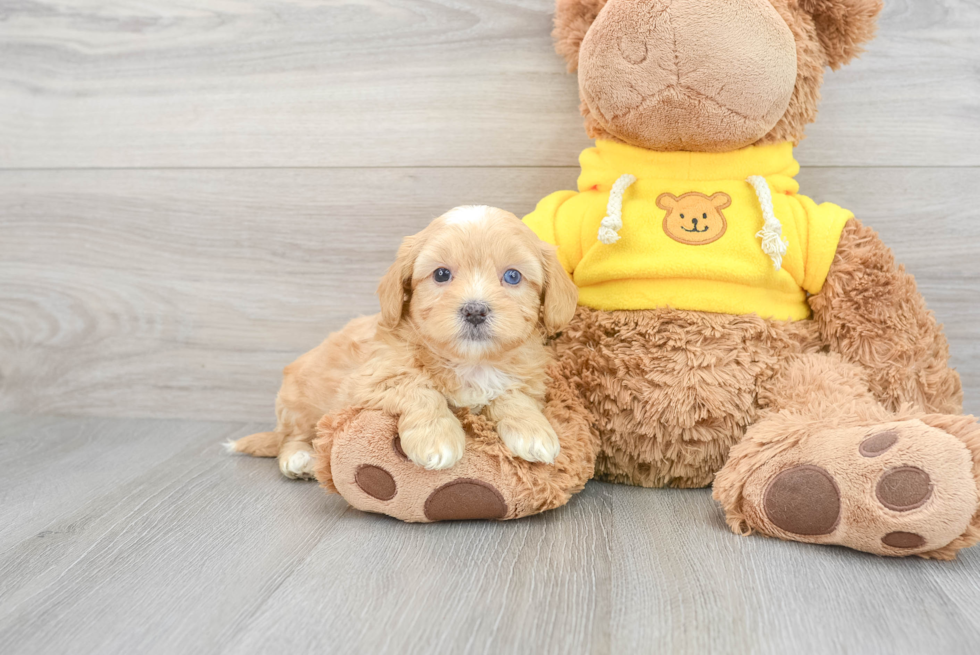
(475, 283)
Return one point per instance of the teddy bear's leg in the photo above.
(828, 464)
(871, 313)
(358, 455)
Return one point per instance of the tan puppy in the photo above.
(465, 310)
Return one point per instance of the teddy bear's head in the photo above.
(706, 75)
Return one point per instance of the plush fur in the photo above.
(351, 437)
(826, 33)
(871, 312)
(672, 391)
(819, 409)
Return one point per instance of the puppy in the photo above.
(465, 310)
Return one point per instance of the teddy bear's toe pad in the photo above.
(376, 482)
(803, 500)
(371, 471)
(904, 540)
(465, 499)
(904, 488)
(896, 489)
(878, 443)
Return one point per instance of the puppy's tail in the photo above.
(261, 444)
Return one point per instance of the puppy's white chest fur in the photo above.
(479, 384)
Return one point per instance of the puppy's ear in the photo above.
(395, 288)
(843, 26)
(560, 293)
(573, 18)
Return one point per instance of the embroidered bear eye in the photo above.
(682, 215)
(442, 275)
(705, 215)
(512, 277)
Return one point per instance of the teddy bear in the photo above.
(731, 332)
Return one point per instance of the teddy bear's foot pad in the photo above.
(465, 499)
(896, 489)
(376, 482)
(460, 499)
(359, 455)
(803, 500)
(374, 475)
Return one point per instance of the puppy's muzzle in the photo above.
(475, 313)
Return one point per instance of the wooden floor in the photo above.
(142, 536)
(194, 192)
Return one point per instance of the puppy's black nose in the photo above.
(475, 313)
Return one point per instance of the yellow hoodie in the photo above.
(712, 232)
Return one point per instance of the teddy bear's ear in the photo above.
(843, 26)
(572, 20)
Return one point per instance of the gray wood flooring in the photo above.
(194, 192)
(143, 536)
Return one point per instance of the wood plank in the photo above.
(538, 585)
(229, 83)
(174, 560)
(51, 468)
(706, 590)
(184, 293)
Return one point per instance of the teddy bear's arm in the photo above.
(871, 313)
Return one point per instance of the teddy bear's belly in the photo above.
(673, 390)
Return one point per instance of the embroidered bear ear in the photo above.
(573, 18)
(721, 201)
(667, 201)
(843, 26)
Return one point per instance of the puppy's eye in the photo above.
(442, 275)
(512, 276)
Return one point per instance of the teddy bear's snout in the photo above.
(668, 75)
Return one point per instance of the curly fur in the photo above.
(671, 391)
(871, 312)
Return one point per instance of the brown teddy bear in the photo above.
(731, 331)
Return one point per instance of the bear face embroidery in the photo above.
(694, 219)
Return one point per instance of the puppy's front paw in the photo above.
(298, 465)
(531, 438)
(436, 444)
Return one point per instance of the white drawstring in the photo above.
(613, 222)
(773, 243)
